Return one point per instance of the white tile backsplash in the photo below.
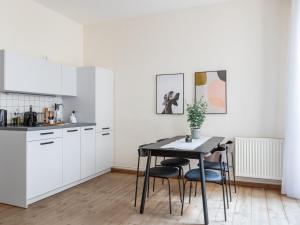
(13, 102)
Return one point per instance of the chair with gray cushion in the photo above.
(211, 176)
(214, 165)
(156, 172)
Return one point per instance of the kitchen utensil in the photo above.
(3, 118)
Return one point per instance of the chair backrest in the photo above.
(230, 145)
(220, 148)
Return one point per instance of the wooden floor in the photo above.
(109, 200)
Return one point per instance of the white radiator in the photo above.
(259, 158)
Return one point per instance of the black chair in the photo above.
(211, 176)
(216, 166)
(156, 172)
(173, 162)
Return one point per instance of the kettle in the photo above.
(3, 118)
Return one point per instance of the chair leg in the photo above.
(170, 196)
(148, 193)
(233, 170)
(190, 191)
(196, 188)
(163, 180)
(183, 194)
(225, 181)
(189, 166)
(153, 184)
(224, 205)
(229, 183)
(179, 177)
(148, 187)
(136, 182)
(136, 188)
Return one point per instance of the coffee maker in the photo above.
(30, 118)
(3, 118)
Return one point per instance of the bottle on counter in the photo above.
(73, 118)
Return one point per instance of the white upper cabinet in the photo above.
(49, 80)
(19, 73)
(24, 74)
(68, 80)
(95, 102)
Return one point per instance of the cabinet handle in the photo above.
(47, 133)
(89, 129)
(47, 143)
(72, 130)
(105, 128)
(105, 134)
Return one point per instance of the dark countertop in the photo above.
(66, 125)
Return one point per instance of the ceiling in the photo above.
(94, 11)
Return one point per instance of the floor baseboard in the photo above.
(240, 181)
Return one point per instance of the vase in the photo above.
(195, 133)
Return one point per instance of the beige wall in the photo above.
(246, 37)
(33, 29)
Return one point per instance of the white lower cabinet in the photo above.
(88, 153)
(71, 155)
(44, 166)
(38, 164)
(104, 150)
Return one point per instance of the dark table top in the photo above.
(206, 147)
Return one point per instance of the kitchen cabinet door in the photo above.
(27, 74)
(50, 78)
(88, 151)
(104, 151)
(20, 73)
(68, 80)
(44, 166)
(71, 155)
(104, 99)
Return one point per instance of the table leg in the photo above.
(146, 180)
(203, 190)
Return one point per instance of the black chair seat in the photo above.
(163, 172)
(175, 162)
(210, 176)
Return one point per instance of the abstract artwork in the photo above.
(211, 85)
(170, 93)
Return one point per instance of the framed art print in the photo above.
(211, 85)
(170, 93)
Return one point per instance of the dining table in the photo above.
(161, 149)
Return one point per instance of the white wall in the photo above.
(248, 38)
(29, 27)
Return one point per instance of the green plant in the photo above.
(196, 113)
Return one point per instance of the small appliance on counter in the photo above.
(30, 118)
(73, 118)
(16, 118)
(3, 118)
(58, 113)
